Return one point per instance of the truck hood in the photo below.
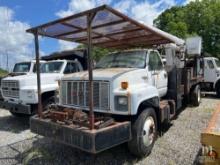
(102, 74)
(31, 79)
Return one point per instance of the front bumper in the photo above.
(16, 108)
(92, 141)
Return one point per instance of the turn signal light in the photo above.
(124, 85)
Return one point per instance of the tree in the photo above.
(201, 17)
(97, 52)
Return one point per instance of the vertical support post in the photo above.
(39, 109)
(90, 67)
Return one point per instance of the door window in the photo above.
(71, 68)
(210, 64)
(155, 62)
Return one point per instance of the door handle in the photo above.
(155, 73)
(144, 77)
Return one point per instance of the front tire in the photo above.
(144, 133)
(18, 114)
(218, 90)
(47, 102)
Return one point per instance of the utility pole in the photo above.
(7, 61)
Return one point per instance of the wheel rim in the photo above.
(148, 131)
(199, 95)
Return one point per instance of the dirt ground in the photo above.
(179, 143)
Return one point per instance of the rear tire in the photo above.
(144, 133)
(196, 96)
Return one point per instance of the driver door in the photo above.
(209, 72)
(158, 73)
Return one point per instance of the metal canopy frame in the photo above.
(103, 27)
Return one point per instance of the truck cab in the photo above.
(21, 68)
(26, 67)
(122, 81)
(20, 92)
(212, 74)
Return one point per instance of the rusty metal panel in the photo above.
(92, 141)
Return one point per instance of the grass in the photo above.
(36, 153)
(208, 110)
(3, 72)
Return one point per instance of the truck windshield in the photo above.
(217, 63)
(51, 67)
(22, 67)
(132, 59)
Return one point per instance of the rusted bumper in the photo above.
(92, 141)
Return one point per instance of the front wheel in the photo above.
(218, 90)
(47, 102)
(144, 133)
(18, 114)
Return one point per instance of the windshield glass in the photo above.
(217, 63)
(51, 67)
(22, 67)
(132, 59)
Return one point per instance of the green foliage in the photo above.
(201, 17)
(3, 72)
(97, 52)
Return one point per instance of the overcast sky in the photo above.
(18, 15)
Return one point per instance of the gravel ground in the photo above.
(179, 143)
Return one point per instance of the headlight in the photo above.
(121, 103)
(123, 100)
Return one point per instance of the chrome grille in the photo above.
(76, 93)
(10, 88)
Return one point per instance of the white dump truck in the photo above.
(129, 94)
(20, 92)
(211, 75)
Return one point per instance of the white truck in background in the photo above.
(20, 92)
(24, 68)
(21, 68)
(211, 75)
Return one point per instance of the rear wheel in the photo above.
(144, 132)
(196, 96)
